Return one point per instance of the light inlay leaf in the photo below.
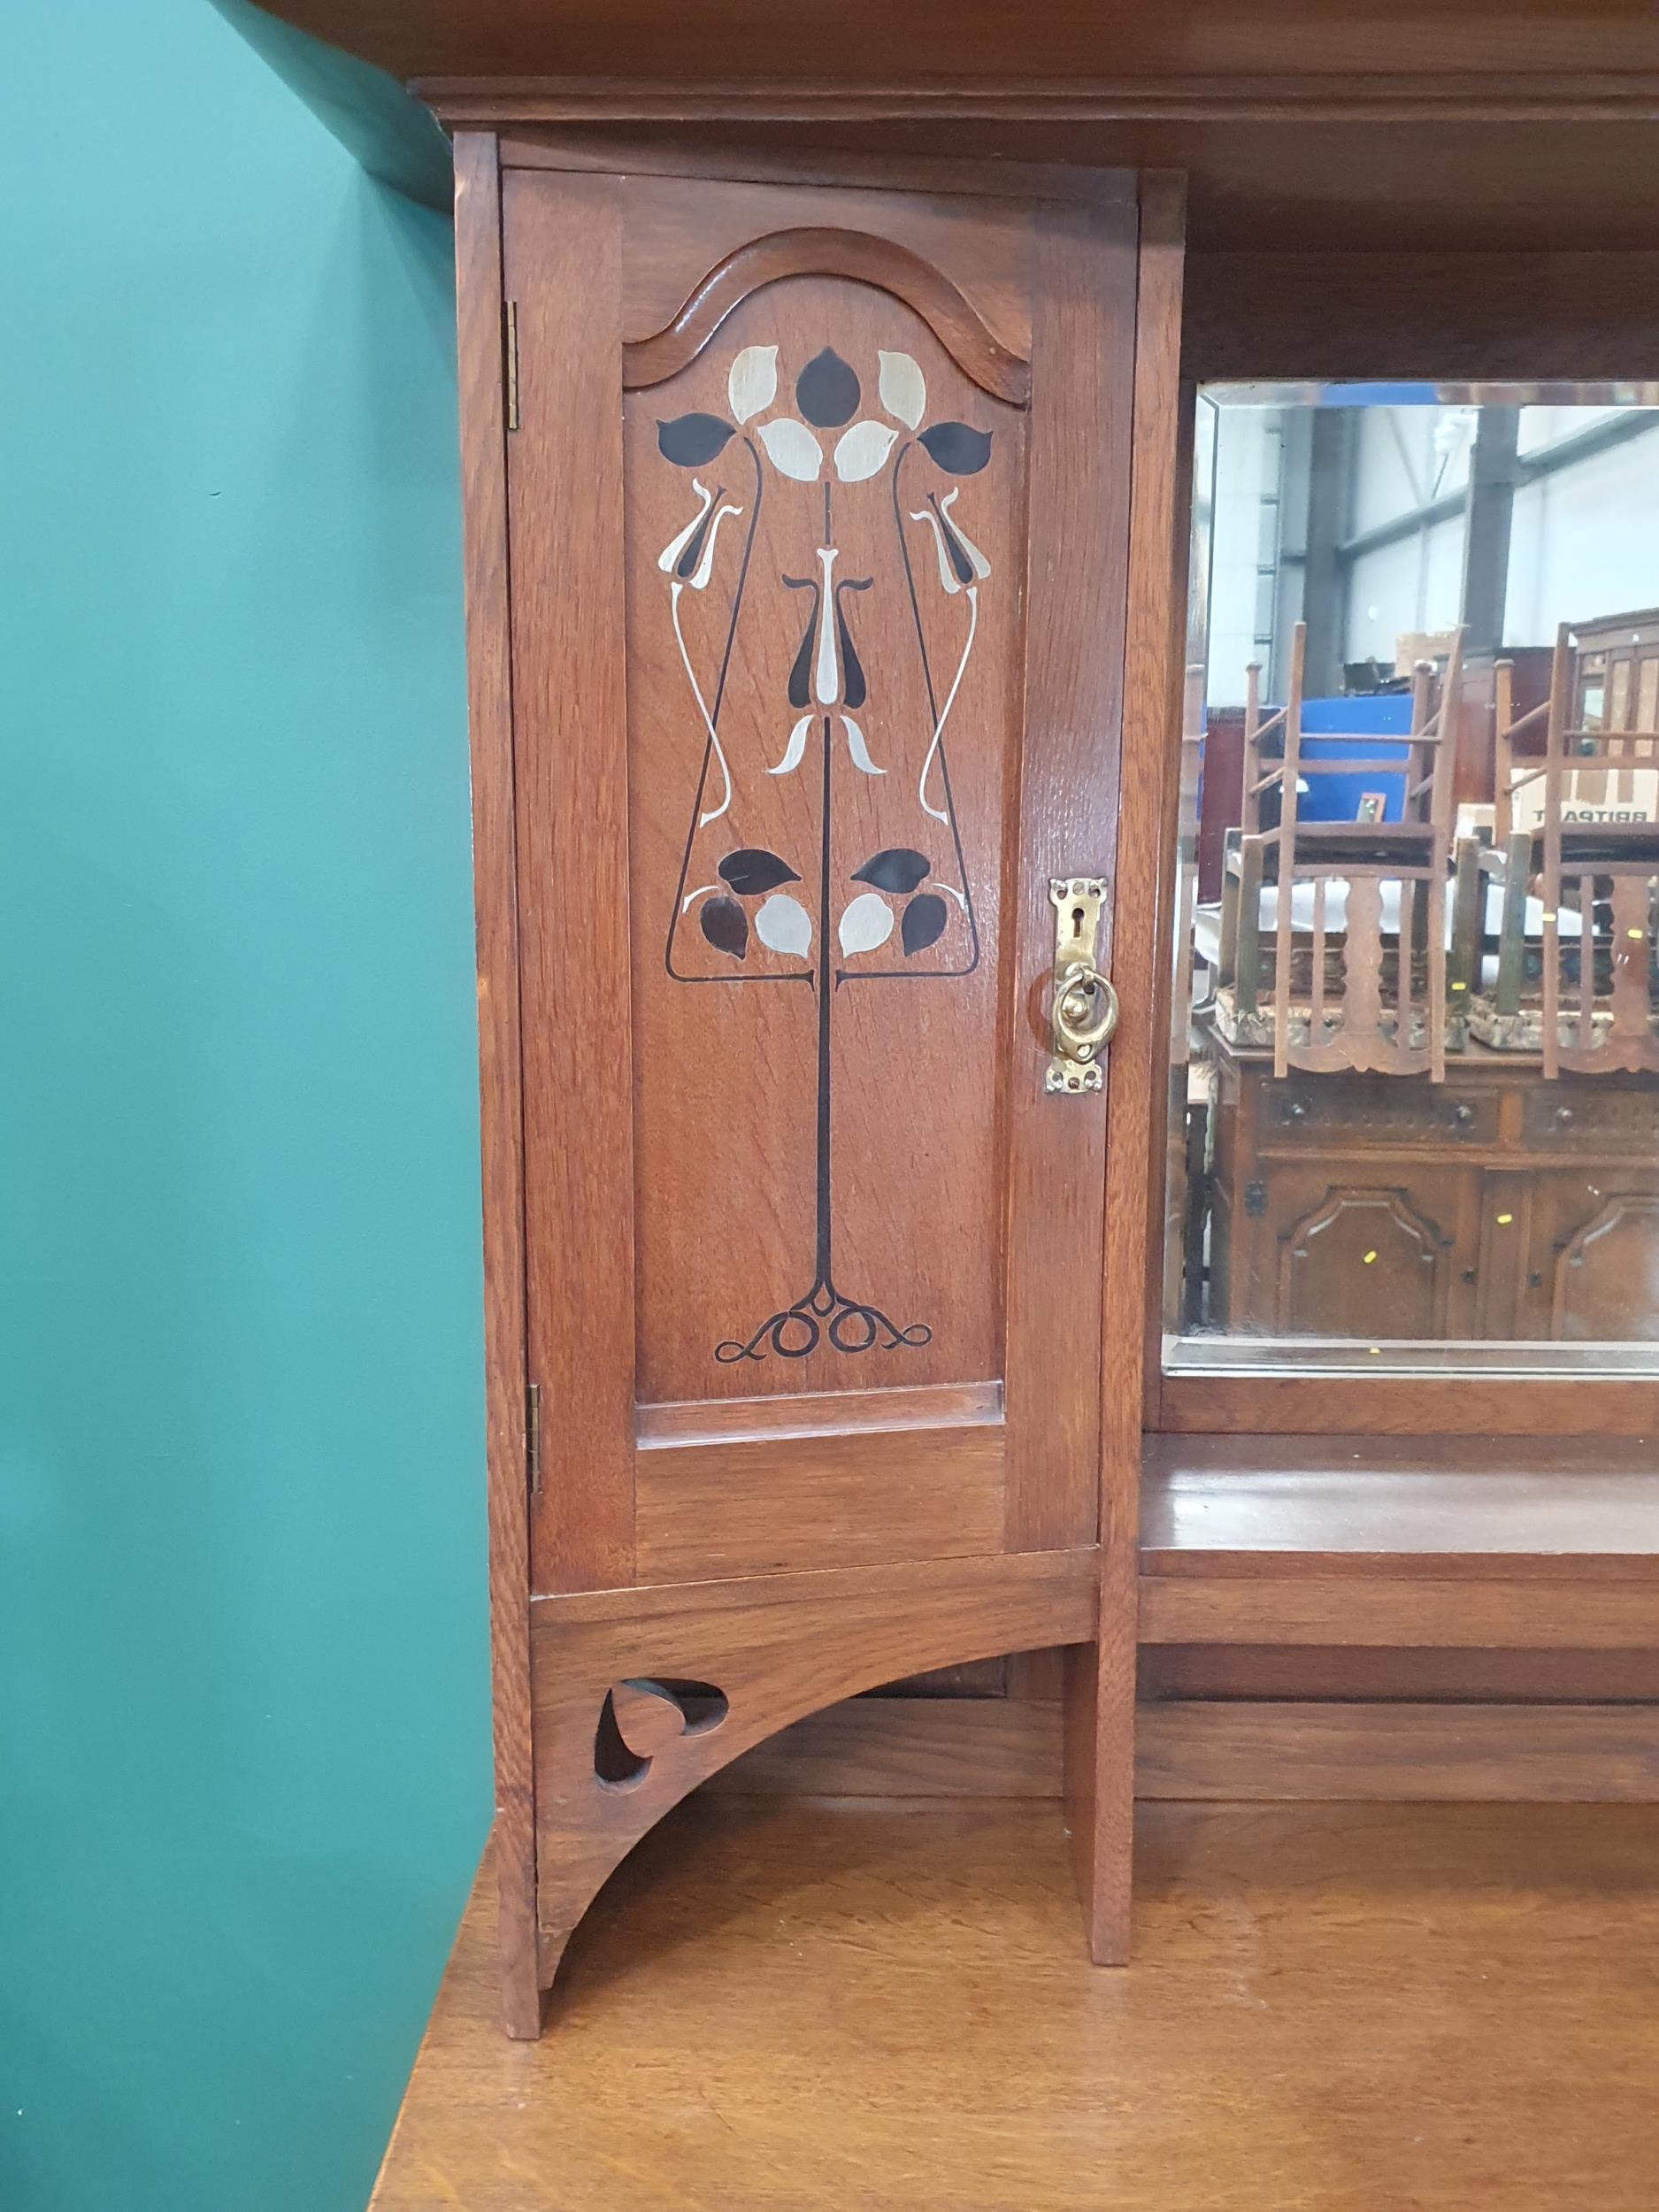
(865, 922)
(792, 448)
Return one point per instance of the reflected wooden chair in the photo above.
(1606, 870)
(1585, 997)
(1186, 1176)
(1492, 964)
(1368, 1007)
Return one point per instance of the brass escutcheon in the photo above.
(1084, 1013)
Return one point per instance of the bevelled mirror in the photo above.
(1415, 1055)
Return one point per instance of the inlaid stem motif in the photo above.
(772, 917)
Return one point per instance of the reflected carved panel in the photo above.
(1363, 1262)
(1606, 1286)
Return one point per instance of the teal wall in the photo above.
(243, 1775)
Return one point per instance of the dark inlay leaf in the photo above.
(752, 869)
(923, 922)
(900, 868)
(725, 926)
(958, 447)
(800, 680)
(954, 546)
(691, 439)
(827, 390)
(854, 689)
(686, 562)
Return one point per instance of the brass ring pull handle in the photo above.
(1084, 1013)
(1085, 1009)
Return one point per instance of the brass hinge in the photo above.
(509, 360)
(533, 1438)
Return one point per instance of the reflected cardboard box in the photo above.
(1593, 794)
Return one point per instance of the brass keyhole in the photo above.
(1085, 1006)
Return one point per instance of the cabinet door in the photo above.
(818, 510)
(1593, 1244)
(1362, 1249)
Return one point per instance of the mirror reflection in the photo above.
(1414, 1098)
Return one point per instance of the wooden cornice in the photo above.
(1421, 98)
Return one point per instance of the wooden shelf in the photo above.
(1484, 1505)
(1450, 1541)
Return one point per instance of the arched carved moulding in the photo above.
(1626, 1215)
(640, 1694)
(812, 251)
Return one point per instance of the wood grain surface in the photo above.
(845, 1498)
(1355, 2008)
(1356, 1546)
(1566, 1754)
(1314, 1671)
(1530, 1518)
(734, 1069)
(830, 252)
(1077, 566)
(1441, 316)
(1330, 1744)
(907, 1747)
(691, 1152)
(1585, 1612)
(490, 715)
(639, 1695)
(1100, 1727)
(977, 235)
(570, 708)
(1382, 1405)
(1512, 56)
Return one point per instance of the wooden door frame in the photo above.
(481, 391)
(1099, 1721)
